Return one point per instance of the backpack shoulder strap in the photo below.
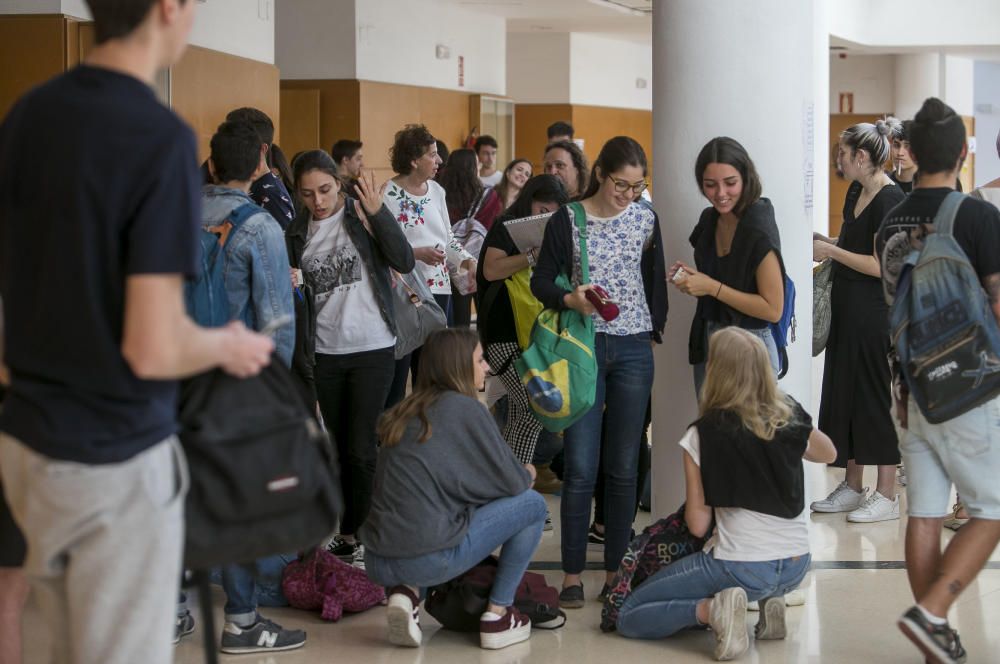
(234, 221)
(580, 219)
(944, 220)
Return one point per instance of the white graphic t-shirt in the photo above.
(348, 318)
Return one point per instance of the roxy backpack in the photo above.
(942, 325)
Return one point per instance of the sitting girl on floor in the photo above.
(742, 464)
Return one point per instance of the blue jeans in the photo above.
(515, 523)
(667, 602)
(764, 334)
(250, 585)
(624, 381)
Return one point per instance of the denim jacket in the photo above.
(257, 275)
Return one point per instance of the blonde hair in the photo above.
(739, 379)
(445, 366)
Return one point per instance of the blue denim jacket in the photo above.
(257, 275)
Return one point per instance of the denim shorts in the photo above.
(964, 451)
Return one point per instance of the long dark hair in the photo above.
(544, 188)
(461, 181)
(617, 153)
(503, 187)
(279, 161)
(448, 357)
(725, 150)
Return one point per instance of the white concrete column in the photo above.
(918, 76)
(755, 72)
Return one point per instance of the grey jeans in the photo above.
(104, 549)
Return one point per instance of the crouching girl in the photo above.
(742, 464)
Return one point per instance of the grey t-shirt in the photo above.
(426, 493)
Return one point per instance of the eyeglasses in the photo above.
(621, 186)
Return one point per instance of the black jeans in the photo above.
(352, 390)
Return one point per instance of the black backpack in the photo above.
(264, 476)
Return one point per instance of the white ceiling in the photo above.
(612, 17)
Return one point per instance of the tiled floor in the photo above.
(849, 616)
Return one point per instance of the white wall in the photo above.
(987, 97)
(603, 72)
(316, 39)
(238, 27)
(869, 77)
(958, 84)
(30, 7)
(538, 67)
(918, 76)
(77, 8)
(917, 22)
(397, 45)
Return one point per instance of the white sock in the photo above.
(931, 618)
(489, 616)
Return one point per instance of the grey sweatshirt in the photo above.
(426, 493)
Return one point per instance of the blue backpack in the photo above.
(943, 328)
(785, 327)
(205, 296)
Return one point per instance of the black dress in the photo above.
(856, 407)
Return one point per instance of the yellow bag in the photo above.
(524, 305)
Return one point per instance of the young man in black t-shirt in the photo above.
(964, 451)
(99, 196)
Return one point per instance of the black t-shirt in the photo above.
(98, 181)
(496, 318)
(976, 229)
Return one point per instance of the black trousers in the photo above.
(352, 390)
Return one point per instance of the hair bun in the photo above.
(883, 127)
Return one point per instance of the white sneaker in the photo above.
(727, 616)
(841, 499)
(876, 508)
(403, 616)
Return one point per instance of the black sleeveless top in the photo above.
(738, 469)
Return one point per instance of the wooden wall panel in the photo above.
(386, 108)
(207, 84)
(530, 124)
(33, 50)
(596, 124)
(339, 110)
(968, 173)
(300, 120)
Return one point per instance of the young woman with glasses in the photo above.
(626, 259)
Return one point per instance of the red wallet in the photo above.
(606, 307)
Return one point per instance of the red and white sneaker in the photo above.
(403, 616)
(497, 632)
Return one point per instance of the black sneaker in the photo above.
(183, 627)
(572, 597)
(263, 636)
(343, 549)
(939, 643)
(605, 591)
(594, 536)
